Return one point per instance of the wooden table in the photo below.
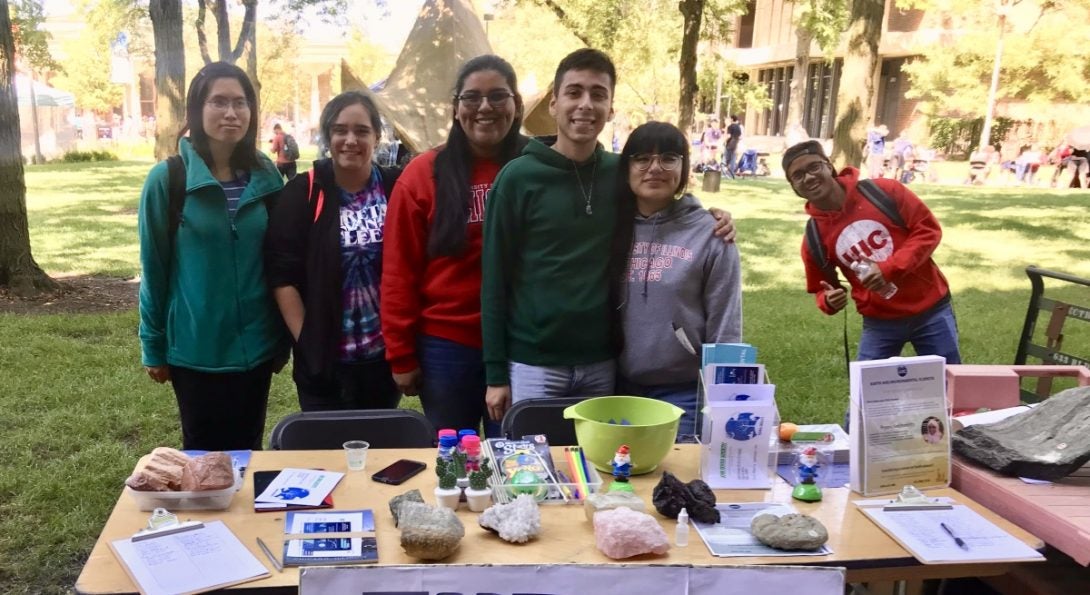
(566, 538)
(1056, 512)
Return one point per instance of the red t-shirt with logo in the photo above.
(859, 230)
(441, 296)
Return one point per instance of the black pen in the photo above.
(961, 542)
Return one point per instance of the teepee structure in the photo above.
(416, 99)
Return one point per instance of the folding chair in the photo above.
(541, 416)
(382, 428)
(1049, 351)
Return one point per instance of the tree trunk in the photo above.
(18, 271)
(166, 20)
(247, 42)
(691, 11)
(223, 30)
(795, 109)
(857, 89)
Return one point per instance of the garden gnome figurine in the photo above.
(622, 468)
(807, 488)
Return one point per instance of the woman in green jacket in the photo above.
(208, 323)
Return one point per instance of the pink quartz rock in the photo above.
(622, 533)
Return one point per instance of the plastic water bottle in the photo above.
(462, 436)
(861, 269)
(681, 533)
(447, 446)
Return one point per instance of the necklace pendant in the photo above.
(590, 211)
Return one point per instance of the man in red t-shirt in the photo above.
(285, 163)
(873, 253)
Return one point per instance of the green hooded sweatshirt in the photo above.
(204, 303)
(545, 288)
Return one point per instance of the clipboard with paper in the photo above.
(947, 534)
(187, 558)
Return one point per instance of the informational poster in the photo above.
(739, 417)
(617, 579)
(900, 424)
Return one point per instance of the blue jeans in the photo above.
(729, 163)
(933, 332)
(586, 380)
(452, 385)
(682, 395)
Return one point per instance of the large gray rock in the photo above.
(1049, 442)
(516, 522)
(397, 501)
(789, 532)
(429, 532)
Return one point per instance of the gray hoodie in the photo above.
(680, 276)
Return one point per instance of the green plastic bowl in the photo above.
(650, 431)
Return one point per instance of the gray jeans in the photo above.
(587, 380)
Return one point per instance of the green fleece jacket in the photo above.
(204, 303)
(545, 289)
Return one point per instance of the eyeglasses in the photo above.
(496, 99)
(220, 104)
(814, 169)
(667, 161)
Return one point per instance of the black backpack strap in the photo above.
(176, 194)
(817, 252)
(881, 201)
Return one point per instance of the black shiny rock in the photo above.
(670, 496)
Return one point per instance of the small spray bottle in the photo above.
(681, 533)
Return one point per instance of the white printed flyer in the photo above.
(738, 423)
(300, 487)
(900, 424)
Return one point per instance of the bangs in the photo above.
(656, 137)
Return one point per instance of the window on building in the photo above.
(777, 83)
(745, 26)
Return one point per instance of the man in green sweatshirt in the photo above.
(549, 221)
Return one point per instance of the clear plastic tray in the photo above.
(555, 493)
(203, 500)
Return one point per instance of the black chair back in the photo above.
(542, 416)
(382, 428)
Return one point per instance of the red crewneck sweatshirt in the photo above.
(441, 296)
(859, 230)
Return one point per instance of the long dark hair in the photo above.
(652, 137)
(244, 157)
(454, 163)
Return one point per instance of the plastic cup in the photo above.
(356, 453)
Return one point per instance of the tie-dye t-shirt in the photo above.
(363, 215)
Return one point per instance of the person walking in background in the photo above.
(431, 280)
(730, 149)
(896, 286)
(676, 277)
(324, 258)
(208, 323)
(876, 151)
(286, 151)
(709, 144)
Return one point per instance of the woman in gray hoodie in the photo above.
(679, 286)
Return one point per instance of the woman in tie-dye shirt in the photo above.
(324, 262)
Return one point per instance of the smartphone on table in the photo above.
(399, 472)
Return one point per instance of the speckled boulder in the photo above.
(429, 532)
(789, 532)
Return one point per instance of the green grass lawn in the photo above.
(78, 410)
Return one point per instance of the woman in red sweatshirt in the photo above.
(431, 278)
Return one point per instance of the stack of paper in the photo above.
(739, 418)
(899, 424)
(299, 488)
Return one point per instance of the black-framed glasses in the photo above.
(667, 161)
(474, 100)
(222, 103)
(814, 169)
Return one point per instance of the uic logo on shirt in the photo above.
(865, 238)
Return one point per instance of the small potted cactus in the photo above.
(447, 493)
(478, 494)
(459, 467)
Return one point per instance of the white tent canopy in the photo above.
(44, 95)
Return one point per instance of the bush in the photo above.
(958, 137)
(88, 156)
